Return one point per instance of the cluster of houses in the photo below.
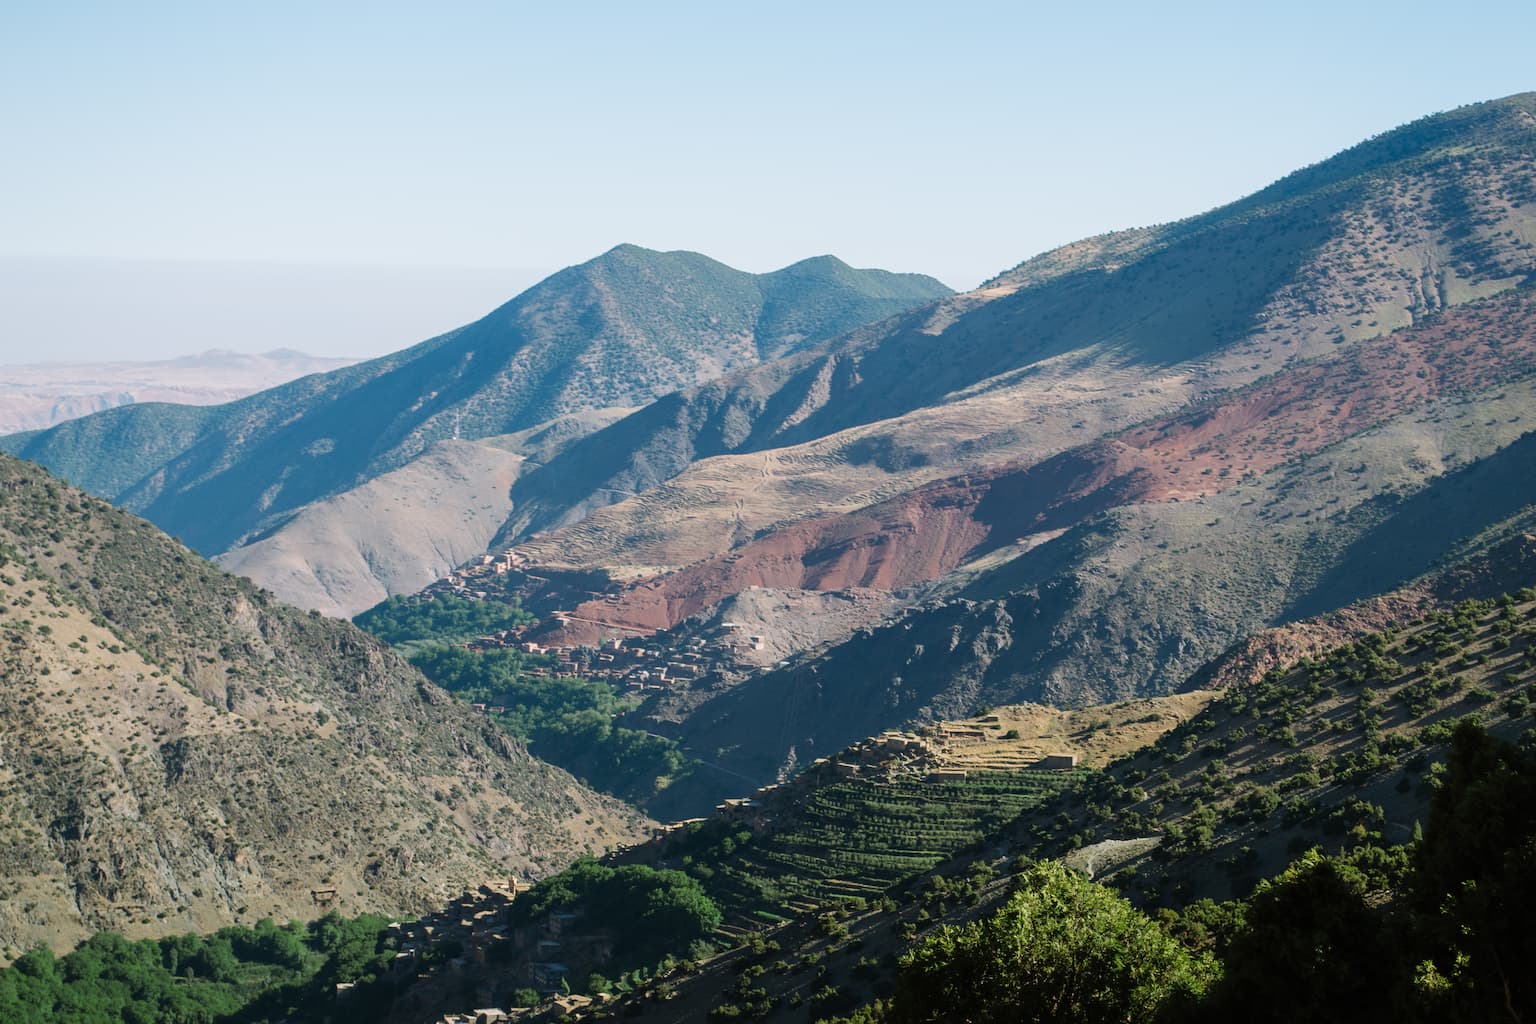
(632, 659)
(637, 664)
(476, 921)
(476, 579)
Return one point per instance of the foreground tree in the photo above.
(1062, 949)
(1316, 945)
(1474, 888)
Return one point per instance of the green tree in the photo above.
(400, 620)
(1314, 946)
(1474, 885)
(1062, 949)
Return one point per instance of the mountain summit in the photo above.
(619, 330)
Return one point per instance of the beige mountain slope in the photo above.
(810, 472)
(400, 531)
(394, 534)
(178, 752)
(35, 396)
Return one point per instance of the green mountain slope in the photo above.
(178, 751)
(1336, 750)
(1334, 764)
(619, 330)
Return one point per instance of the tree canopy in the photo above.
(1062, 949)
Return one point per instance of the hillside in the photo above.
(1351, 782)
(1334, 765)
(178, 751)
(1072, 344)
(617, 331)
(394, 534)
(1339, 749)
(406, 528)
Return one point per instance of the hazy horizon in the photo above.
(348, 180)
(95, 311)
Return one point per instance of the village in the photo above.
(472, 945)
(635, 662)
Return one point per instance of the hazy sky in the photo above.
(349, 178)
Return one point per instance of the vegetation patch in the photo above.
(444, 618)
(248, 975)
(565, 720)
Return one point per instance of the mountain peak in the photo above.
(629, 250)
(827, 267)
(616, 331)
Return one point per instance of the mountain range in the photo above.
(777, 518)
(1100, 469)
(1052, 475)
(613, 333)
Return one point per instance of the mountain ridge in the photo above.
(866, 377)
(617, 330)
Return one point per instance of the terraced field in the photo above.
(857, 838)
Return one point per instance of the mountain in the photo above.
(38, 395)
(1095, 472)
(613, 333)
(178, 751)
(1092, 337)
(619, 330)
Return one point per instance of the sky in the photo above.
(348, 179)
